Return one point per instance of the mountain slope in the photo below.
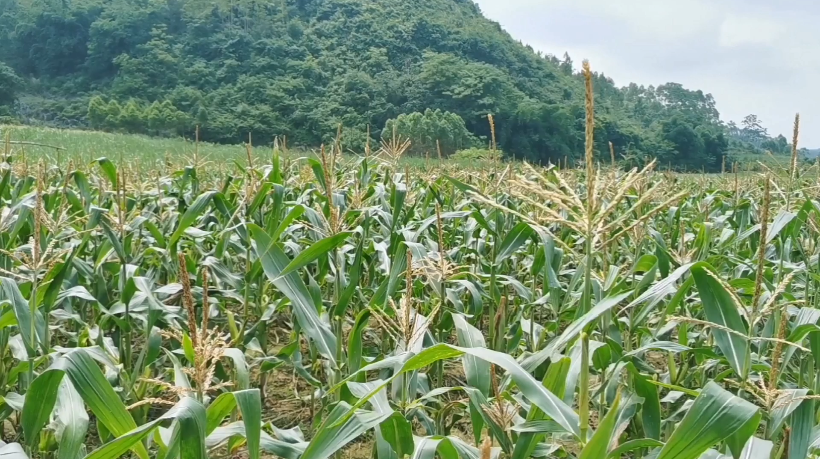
(301, 68)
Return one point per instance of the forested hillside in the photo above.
(301, 68)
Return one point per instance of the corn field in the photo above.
(506, 312)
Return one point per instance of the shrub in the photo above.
(477, 154)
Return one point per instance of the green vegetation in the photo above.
(476, 154)
(301, 68)
(510, 312)
(157, 118)
(431, 132)
(83, 147)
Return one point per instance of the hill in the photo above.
(301, 68)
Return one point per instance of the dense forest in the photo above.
(302, 68)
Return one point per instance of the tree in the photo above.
(425, 129)
(10, 84)
(751, 123)
(540, 133)
(112, 114)
(778, 145)
(752, 131)
(696, 106)
(154, 117)
(97, 112)
(566, 64)
(687, 145)
(131, 117)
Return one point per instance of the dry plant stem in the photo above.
(793, 163)
(188, 299)
(188, 303)
(774, 374)
(486, 448)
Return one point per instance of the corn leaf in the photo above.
(714, 416)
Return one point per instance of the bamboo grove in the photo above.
(503, 312)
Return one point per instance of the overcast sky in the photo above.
(754, 56)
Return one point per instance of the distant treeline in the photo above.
(301, 68)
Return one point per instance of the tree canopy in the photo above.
(301, 68)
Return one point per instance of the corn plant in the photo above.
(511, 310)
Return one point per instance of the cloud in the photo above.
(754, 56)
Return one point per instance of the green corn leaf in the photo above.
(156, 233)
(802, 424)
(243, 380)
(780, 222)
(721, 309)
(250, 406)
(93, 388)
(11, 293)
(355, 275)
(189, 217)
(398, 432)
(573, 330)
(36, 415)
(109, 169)
(598, 445)
(714, 416)
(757, 448)
(477, 371)
(339, 428)
(545, 400)
(73, 419)
(189, 413)
(306, 311)
(354, 343)
(651, 407)
(431, 447)
(316, 250)
(632, 445)
(267, 443)
(514, 240)
(738, 440)
(294, 213)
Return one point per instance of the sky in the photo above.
(753, 56)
